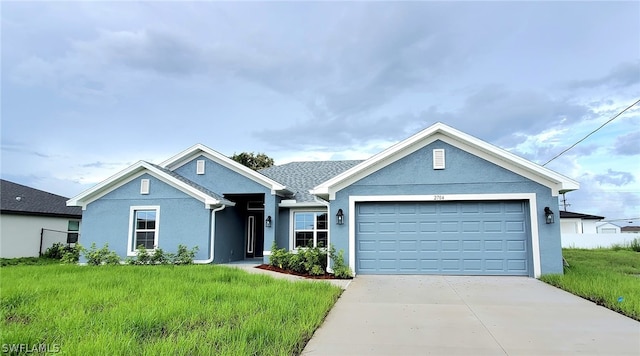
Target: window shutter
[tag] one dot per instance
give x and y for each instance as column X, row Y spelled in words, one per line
column 144, row 186
column 438, row 158
column 200, row 166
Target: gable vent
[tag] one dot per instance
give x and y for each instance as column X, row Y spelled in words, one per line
column 200, row 166
column 144, row 186
column 438, row 158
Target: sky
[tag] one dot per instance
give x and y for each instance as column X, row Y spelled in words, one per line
column 89, row 88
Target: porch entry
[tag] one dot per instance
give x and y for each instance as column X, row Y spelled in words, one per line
column 250, row 208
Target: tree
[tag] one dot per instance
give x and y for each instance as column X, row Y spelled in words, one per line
column 252, row 160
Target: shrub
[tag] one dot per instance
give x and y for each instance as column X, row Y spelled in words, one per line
column 97, row 257
column 55, row 251
column 340, row 269
column 184, row 256
column 311, row 257
column 635, row 244
column 64, row 253
column 279, row 256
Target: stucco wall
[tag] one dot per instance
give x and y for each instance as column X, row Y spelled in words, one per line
column 464, row 174
column 183, row 219
column 20, row 234
column 222, row 180
column 230, row 236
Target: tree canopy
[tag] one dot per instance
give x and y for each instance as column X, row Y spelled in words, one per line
column 253, row 160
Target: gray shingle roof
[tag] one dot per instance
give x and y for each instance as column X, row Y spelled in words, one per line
column 20, row 199
column 193, row 184
column 299, row 177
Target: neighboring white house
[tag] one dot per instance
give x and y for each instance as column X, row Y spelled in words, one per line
column 577, row 223
column 32, row 220
column 607, row 228
column 587, row 231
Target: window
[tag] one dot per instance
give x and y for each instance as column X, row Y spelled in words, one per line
column 143, row 230
column 310, row 229
column 72, row 231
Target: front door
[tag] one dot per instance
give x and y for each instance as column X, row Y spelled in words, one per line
column 255, row 234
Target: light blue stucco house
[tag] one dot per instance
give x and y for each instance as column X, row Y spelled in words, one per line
column 439, row 202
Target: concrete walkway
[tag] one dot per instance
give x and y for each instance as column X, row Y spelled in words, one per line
column 437, row 315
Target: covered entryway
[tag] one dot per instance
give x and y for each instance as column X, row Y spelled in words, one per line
column 250, row 208
column 446, row 237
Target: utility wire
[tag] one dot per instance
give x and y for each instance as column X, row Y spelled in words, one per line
column 592, row 132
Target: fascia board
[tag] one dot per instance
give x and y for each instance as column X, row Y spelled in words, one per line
column 191, row 153
column 555, row 181
column 132, row 173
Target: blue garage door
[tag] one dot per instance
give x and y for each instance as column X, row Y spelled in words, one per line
column 453, row 238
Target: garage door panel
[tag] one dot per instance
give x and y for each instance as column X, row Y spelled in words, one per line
column 442, row 238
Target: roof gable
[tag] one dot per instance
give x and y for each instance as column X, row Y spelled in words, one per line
column 20, row 199
column 439, row 131
column 197, row 150
column 208, row 197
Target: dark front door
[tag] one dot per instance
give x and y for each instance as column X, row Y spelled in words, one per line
column 255, row 234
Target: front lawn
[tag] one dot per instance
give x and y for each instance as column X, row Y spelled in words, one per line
column 607, row 277
column 159, row 310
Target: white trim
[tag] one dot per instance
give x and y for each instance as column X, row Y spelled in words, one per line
column 304, row 204
column 197, row 150
column 266, row 253
column 439, row 131
column 530, row 197
column 251, row 233
column 136, row 170
column 292, row 224
column 132, row 251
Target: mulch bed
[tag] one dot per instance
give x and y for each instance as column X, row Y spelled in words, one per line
column 286, row 271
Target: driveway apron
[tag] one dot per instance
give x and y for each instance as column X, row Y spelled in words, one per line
column 460, row 315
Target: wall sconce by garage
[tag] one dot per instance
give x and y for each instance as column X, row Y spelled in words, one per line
column 548, row 215
column 267, row 222
column 340, row 217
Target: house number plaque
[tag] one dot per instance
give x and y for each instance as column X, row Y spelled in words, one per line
column 438, row 197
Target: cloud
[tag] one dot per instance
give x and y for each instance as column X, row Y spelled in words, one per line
column 627, row 145
column 623, row 75
column 615, row 178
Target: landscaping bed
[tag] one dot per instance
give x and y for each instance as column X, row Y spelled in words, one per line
column 301, row 274
column 608, row 277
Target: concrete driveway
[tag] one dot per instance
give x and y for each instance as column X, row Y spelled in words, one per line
column 438, row 315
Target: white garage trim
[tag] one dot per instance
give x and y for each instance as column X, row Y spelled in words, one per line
column 530, row 197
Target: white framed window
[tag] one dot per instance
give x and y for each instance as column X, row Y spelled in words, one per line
column 200, row 166
column 310, row 229
column 144, row 223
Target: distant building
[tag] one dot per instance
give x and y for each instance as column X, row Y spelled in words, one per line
column 607, row 228
column 578, row 223
column 32, row 220
column 631, row 229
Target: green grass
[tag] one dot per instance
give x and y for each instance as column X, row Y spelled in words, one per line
column 602, row 276
column 159, row 310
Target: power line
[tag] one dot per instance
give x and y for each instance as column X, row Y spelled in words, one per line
column 592, row 132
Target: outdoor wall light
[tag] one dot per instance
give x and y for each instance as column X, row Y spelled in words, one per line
column 340, row 217
column 548, row 215
column 267, row 222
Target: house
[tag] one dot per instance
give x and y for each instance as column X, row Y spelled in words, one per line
column 32, row 220
column 630, row 230
column 438, row 202
column 607, row 228
column 578, row 223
